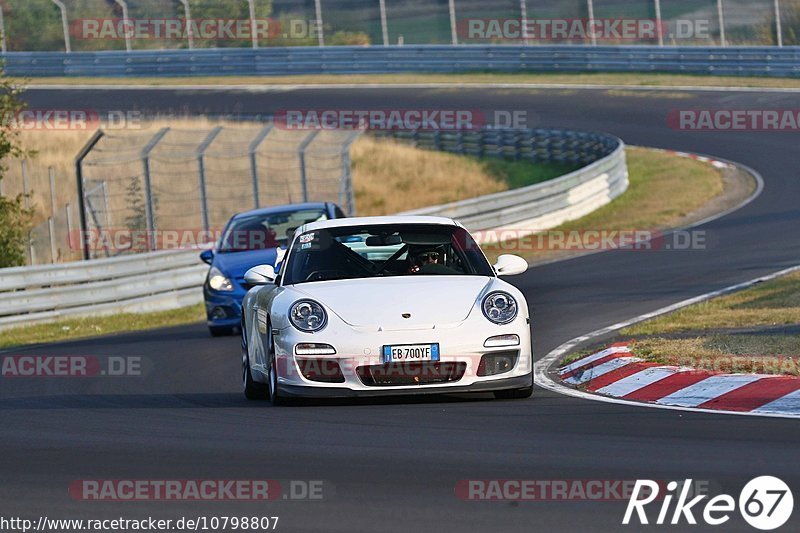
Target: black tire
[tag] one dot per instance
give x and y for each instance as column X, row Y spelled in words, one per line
column 252, row 389
column 514, row 394
column 272, row 388
column 220, row 331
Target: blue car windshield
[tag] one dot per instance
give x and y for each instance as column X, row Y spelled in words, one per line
column 262, row 232
column 384, row 250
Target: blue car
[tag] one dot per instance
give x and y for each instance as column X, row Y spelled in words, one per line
column 257, row 237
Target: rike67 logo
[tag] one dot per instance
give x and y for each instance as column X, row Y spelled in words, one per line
column 765, row 503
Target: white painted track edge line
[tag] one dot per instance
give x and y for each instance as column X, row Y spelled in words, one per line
column 438, row 85
column 544, row 365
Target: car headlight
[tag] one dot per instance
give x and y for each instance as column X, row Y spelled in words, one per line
column 218, row 281
column 308, row 316
column 500, row 307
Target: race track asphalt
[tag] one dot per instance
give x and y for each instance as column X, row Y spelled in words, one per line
column 393, row 465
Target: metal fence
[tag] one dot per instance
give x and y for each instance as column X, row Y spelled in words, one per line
column 31, row 295
column 178, row 188
column 753, row 61
column 88, row 25
column 142, row 283
column 167, row 188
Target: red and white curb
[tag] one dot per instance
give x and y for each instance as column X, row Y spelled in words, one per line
column 716, row 163
column 617, row 372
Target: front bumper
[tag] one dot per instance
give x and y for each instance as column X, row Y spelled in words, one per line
column 357, row 348
column 318, row 391
column 227, row 303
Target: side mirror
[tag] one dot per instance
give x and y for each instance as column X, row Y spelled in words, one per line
column 510, row 265
column 260, row 275
column 207, row 256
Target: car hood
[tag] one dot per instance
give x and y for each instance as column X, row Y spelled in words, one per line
column 235, row 264
column 381, row 302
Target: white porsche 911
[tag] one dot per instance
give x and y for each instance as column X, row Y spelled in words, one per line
column 384, row 306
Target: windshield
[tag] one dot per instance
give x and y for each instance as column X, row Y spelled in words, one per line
column 384, row 250
column 261, row 232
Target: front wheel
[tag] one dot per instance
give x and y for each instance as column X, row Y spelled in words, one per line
column 252, row 389
column 274, row 392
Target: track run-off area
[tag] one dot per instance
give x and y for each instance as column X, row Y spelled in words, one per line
column 395, row 465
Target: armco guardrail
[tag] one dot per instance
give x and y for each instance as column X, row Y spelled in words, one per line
column 732, row 60
column 544, row 205
column 164, row 280
column 135, row 283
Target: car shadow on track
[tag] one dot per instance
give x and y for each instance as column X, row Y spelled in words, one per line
column 213, row 401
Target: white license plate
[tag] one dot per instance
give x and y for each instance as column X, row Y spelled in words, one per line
column 410, row 352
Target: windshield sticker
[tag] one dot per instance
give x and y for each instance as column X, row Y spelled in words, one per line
column 308, row 237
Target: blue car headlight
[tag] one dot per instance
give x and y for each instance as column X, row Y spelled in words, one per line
column 218, row 281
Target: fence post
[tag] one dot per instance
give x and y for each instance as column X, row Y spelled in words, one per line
column 384, row 24
column 148, row 188
column 51, row 221
column 187, row 13
column 259, row 138
column 64, row 24
column 26, row 189
column 301, row 150
column 68, row 212
column 81, row 198
column 721, row 18
column 253, row 36
column 346, row 193
column 3, row 46
column 778, row 30
column 51, row 229
column 52, row 175
column 126, row 23
column 590, row 7
column 659, row 28
column 523, row 14
column 201, row 167
column 453, row 30
column 320, row 31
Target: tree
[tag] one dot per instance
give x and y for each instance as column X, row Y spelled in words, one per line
column 15, row 218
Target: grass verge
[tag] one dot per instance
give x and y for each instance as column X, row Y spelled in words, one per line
column 753, row 331
column 390, row 177
column 664, row 190
column 80, row 328
column 774, row 303
column 643, row 79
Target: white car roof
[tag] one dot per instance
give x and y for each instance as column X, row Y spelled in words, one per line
column 374, row 221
